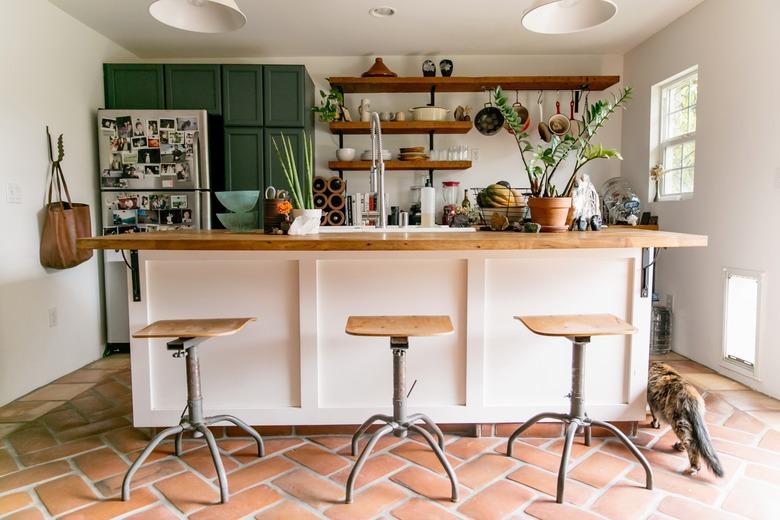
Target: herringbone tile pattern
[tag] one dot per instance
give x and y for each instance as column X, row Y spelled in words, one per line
column 64, row 450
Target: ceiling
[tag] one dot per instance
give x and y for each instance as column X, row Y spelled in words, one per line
column 344, row 28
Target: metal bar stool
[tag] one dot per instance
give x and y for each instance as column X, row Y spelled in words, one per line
column 399, row 329
column 189, row 334
column 578, row 329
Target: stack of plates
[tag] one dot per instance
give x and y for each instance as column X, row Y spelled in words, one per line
column 366, row 155
column 414, row 153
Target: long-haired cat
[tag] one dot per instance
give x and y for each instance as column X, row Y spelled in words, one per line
column 677, row 402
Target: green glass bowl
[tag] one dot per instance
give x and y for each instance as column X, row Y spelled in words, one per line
column 238, row 201
column 245, row 221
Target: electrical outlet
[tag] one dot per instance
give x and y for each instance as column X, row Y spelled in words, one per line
column 474, row 154
column 13, row 193
column 53, row 317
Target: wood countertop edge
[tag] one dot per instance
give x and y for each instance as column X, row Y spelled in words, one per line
column 481, row 241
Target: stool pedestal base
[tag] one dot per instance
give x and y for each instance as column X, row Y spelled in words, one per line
column 193, row 421
column 576, row 419
column 399, row 425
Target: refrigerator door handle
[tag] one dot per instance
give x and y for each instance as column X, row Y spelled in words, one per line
column 205, row 210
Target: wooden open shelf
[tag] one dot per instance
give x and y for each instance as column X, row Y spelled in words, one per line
column 400, row 165
column 403, row 127
column 351, row 85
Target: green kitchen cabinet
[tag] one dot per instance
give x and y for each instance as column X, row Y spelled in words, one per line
column 288, row 96
column 134, row 86
column 242, row 95
column 193, row 87
column 244, row 156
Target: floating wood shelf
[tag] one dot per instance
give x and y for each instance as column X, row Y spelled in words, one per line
column 404, row 127
column 401, row 165
column 351, row 85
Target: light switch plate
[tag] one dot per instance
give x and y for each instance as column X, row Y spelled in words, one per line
column 13, row 193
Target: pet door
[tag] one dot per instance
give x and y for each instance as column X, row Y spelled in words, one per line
column 741, row 310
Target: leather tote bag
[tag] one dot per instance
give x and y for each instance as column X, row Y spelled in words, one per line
column 64, row 222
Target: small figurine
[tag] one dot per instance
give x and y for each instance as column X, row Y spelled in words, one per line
column 595, row 223
column 429, row 69
column 446, row 68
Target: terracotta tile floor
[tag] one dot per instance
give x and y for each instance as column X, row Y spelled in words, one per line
column 64, row 449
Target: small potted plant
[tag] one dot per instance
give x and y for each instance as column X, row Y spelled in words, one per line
column 550, row 205
column 330, row 105
column 306, row 219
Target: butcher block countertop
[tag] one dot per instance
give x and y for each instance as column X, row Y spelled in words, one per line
column 219, row 240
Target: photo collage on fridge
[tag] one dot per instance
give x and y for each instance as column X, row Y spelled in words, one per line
column 158, row 148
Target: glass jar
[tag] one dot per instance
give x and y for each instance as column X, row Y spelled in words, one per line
column 450, row 192
column 660, row 330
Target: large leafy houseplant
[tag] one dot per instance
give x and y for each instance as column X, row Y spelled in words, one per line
column 541, row 163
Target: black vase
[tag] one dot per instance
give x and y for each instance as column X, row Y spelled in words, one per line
column 428, row 69
column 446, row 66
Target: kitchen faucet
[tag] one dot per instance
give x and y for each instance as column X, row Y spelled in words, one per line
column 377, row 172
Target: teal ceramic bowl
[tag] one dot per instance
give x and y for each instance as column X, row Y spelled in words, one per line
column 245, row 221
column 238, row 201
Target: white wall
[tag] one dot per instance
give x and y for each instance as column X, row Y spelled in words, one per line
column 737, row 181
column 499, row 157
column 53, row 76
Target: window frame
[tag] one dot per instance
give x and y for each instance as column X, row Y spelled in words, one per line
column 660, row 121
column 727, row 362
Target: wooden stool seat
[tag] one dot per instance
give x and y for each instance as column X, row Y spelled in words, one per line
column 577, row 325
column 399, row 326
column 205, row 328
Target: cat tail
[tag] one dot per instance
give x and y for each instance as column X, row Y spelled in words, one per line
column 703, row 444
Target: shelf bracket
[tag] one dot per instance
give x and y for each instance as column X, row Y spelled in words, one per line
column 647, row 264
column 135, row 275
column 433, row 95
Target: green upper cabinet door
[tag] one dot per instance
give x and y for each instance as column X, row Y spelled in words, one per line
column 242, row 95
column 289, row 94
column 274, row 174
column 134, row 86
column 193, row 86
column 243, row 158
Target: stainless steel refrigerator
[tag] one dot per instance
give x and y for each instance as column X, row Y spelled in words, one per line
column 154, row 176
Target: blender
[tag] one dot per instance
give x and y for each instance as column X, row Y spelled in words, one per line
column 450, row 192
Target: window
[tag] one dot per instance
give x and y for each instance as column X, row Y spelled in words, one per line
column 677, row 99
column 741, row 312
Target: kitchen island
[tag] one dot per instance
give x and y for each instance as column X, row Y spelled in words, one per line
column 295, row 364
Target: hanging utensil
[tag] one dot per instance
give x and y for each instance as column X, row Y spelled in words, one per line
column 489, row 119
column 574, row 125
column 558, row 123
column 544, row 130
column 522, row 114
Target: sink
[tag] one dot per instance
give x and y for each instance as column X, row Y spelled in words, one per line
column 394, row 229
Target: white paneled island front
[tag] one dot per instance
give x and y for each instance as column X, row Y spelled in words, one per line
column 295, row 365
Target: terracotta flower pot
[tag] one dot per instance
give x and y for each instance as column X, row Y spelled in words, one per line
column 550, row 213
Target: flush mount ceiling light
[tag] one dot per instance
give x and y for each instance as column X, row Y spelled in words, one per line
column 382, row 12
column 204, row 16
column 567, row 16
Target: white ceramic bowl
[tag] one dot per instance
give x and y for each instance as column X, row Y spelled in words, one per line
column 429, row 113
column 345, row 154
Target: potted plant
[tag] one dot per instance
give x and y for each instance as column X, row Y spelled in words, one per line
column 330, row 105
column 550, row 206
column 306, row 217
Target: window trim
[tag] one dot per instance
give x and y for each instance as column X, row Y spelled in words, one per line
column 725, row 361
column 658, row 121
